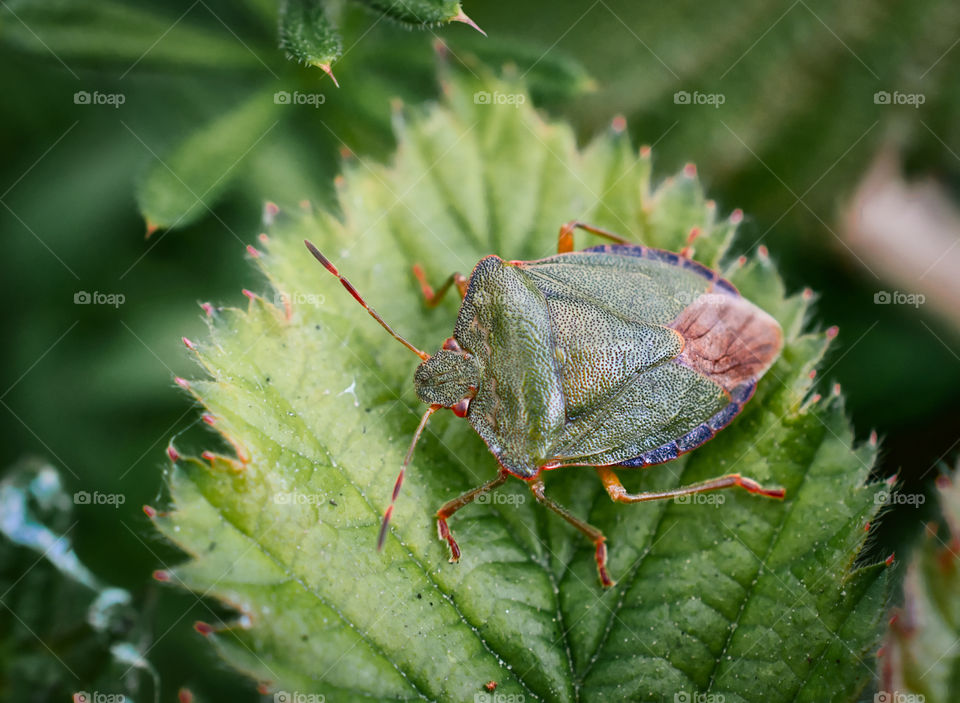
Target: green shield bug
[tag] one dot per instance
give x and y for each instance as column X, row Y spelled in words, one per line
column 617, row 356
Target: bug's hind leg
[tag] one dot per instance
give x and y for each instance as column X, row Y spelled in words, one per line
column 618, row 493
column 592, row 533
column 433, row 298
column 565, row 238
column 452, row 506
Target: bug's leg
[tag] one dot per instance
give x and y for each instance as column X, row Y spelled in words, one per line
column 433, row 298
column 618, row 493
column 452, row 506
column 592, row 533
column 565, row 238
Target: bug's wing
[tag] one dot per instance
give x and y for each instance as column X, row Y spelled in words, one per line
column 504, row 322
column 657, row 408
column 635, row 283
column 665, row 397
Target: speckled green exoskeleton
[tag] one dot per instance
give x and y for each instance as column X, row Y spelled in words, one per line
column 617, row 356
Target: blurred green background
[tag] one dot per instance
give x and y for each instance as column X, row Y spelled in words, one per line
column 89, row 388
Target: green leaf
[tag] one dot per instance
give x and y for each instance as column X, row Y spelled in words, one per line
column 107, row 31
column 419, row 13
column 179, row 186
column 307, row 35
column 920, row 659
column 757, row 599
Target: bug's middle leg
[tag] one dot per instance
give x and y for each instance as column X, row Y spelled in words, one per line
column 433, row 298
column 565, row 238
column 592, row 533
column 452, row 506
column 618, row 493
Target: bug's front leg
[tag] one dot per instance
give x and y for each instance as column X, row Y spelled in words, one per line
column 433, row 298
column 592, row 533
column 452, row 506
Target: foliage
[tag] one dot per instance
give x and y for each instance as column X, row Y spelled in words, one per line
column 757, row 599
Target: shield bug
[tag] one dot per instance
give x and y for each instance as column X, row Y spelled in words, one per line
column 618, row 356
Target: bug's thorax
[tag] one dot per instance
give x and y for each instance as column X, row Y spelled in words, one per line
column 450, row 378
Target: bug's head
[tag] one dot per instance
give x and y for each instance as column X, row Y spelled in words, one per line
column 449, row 378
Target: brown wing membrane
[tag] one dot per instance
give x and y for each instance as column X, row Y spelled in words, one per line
column 728, row 339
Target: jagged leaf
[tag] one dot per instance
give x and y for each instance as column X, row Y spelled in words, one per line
column 920, row 659
column 180, row 186
column 755, row 599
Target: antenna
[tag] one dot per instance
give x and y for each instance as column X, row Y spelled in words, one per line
column 356, row 296
column 385, row 525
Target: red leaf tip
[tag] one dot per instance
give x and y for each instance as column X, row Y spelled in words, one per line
column 325, row 67
column 462, row 17
column 203, row 628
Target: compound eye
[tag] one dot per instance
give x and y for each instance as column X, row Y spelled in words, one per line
column 451, row 345
column 461, row 407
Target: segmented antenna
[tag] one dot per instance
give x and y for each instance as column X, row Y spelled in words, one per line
column 385, row 525
column 356, row 296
